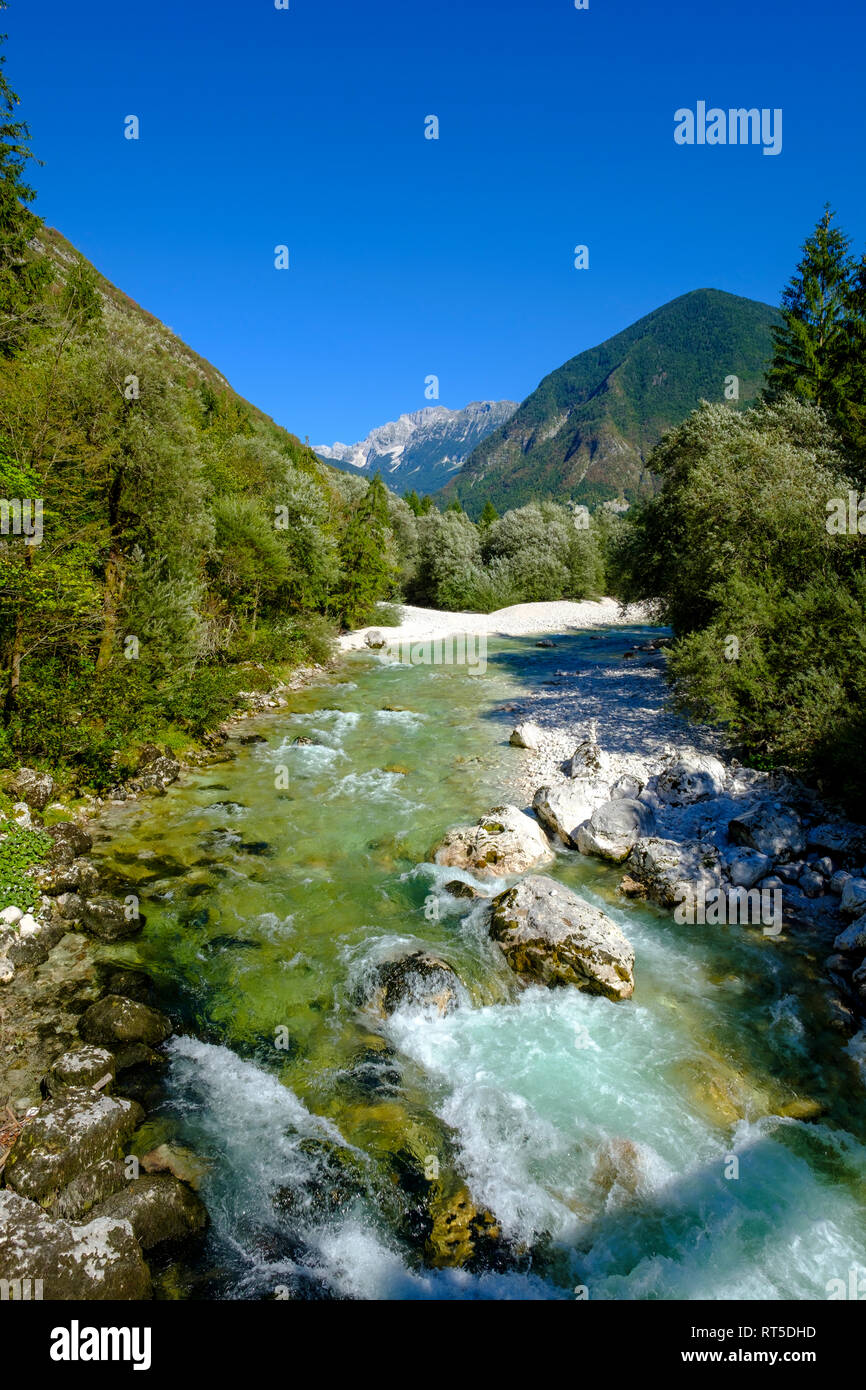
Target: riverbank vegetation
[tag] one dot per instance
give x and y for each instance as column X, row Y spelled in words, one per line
column 743, row 551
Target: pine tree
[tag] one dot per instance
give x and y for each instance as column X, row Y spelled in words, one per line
column 489, row 515
column 811, row 346
column 23, row 275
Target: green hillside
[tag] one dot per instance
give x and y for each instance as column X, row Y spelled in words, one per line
column 586, row 432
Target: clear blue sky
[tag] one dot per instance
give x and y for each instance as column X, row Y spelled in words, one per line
column 411, row 257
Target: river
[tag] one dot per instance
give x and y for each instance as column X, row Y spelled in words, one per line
column 702, row 1140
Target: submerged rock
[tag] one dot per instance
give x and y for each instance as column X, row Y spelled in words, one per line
column 551, row 936
column 419, row 978
column 181, row 1162
column 100, row 1260
column 507, row 841
column 69, row 1134
column 115, row 1020
column 462, row 1234
column 614, row 829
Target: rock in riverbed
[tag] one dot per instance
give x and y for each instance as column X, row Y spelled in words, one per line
column 100, row 1261
column 158, row 1209
column 68, row 1135
column 551, row 936
column 419, row 978
column 115, row 1020
column 614, row 829
column 506, row 841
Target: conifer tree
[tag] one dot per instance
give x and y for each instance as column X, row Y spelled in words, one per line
column 23, row 274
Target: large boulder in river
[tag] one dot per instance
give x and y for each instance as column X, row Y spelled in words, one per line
column 68, row 1135
column 690, row 777
column 100, row 1261
column 770, row 828
column 506, row 841
column 551, row 936
column 671, row 872
column 115, row 1021
column 562, row 809
column 34, row 788
column 420, row 978
column 158, row 1208
column 614, row 828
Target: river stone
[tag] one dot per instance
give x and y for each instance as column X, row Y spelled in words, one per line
column 853, row 938
column 837, row 837
column 34, row 788
column 115, row 1020
column 746, row 866
column 70, row 841
column 588, row 758
column 670, row 870
column 158, row 1209
column 551, row 936
column 853, row 899
column 99, row 1261
column 69, row 1134
column 107, row 919
column 89, row 1188
column 506, row 841
column 770, row 828
column 691, row 777
column 614, row 828
column 526, row 735
column 83, row 1067
column 564, row 808
column 79, row 877
column 181, row 1162
column 419, row 978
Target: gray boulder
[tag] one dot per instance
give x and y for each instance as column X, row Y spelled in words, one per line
column 100, row 1261
column 107, row 919
column 70, row 841
column 614, row 828
column 853, row 899
column 526, row 735
column 34, row 788
column 564, row 808
column 506, row 841
column 746, row 866
column 853, row 938
column 770, row 828
column 691, row 777
column 69, row 1134
column 551, row 936
column 671, row 871
column 158, row 1208
column 86, row 1066
column 115, row 1020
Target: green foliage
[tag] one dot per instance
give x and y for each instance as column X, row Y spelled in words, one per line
column 20, row 850
column 769, row 609
column 24, row 275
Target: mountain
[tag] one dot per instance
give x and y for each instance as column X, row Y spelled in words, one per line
column 421, row 450
column 587, row 430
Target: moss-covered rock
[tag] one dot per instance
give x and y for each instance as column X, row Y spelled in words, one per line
column 100, row 1260
column 68, row 1135
column 116, row 1021
column 158, row 1208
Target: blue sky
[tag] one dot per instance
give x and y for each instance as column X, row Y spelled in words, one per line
column 411, row 257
